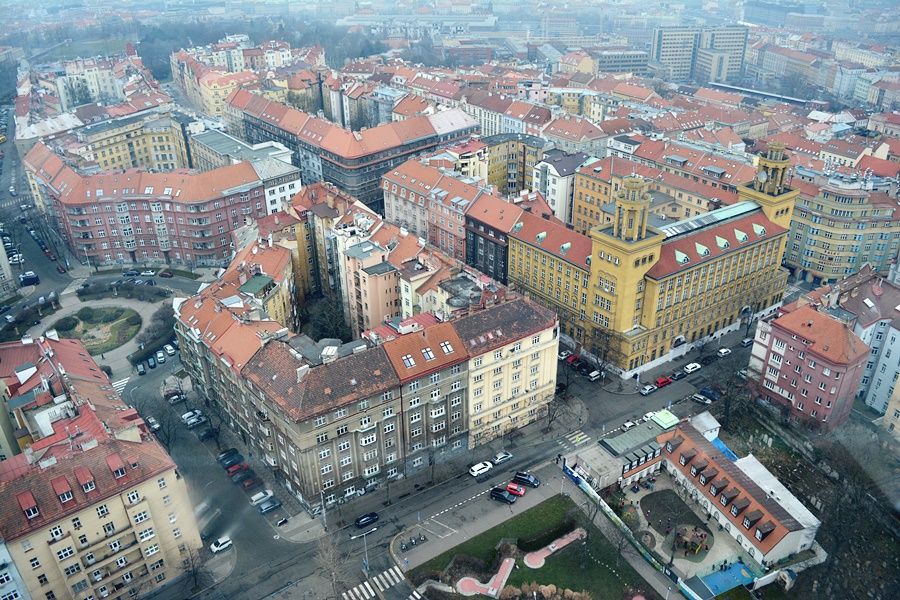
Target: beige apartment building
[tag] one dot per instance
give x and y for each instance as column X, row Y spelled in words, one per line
column 512, row 370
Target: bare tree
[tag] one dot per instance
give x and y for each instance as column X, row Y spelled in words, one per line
column 334, row 564
column 622, row 542
column 557, row 407
column 195, row 569
column 606, row 347
column 734, row 390
column 169, row 429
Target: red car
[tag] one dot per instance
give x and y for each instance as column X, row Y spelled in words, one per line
column 662, row 382
column 164, row 274
column 234, row 469
column 515, row 489
column 60, row 268
column 572, row 359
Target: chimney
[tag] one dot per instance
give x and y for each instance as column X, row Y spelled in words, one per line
column 29, row 455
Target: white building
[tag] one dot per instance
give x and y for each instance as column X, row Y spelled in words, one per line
column 554, row 177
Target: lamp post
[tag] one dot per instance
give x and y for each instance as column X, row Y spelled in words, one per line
column 365, row 547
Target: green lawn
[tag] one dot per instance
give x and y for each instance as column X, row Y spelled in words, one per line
column 579, row 568
column 101, row 329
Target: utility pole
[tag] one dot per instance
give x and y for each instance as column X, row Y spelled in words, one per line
column 324, row 515
column 365, row 548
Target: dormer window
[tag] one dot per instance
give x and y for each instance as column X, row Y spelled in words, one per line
column 28, row 505
column 32, row 512
column 65, row 497
column 446, row 347
column 428, row 354
column 89, row 486
column 119, row 473
column 408, row 361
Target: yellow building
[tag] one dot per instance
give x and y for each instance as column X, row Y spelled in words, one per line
column 652, row 291
column 891, row 420
column 151, row 141
column 215, row 86
column 511, row 158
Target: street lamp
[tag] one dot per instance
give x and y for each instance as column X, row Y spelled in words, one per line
column 365, row 547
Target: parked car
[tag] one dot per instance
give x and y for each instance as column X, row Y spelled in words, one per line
column 515, row 489
column 662, row 382
column 691, row 368
column 176, row 398
column 746, row 342
column 501, row 457
column 206, row 434
column 572, row 358
column 708, row 359
column 60, row 269
column 564, row 354
column 251, row 483
column 260, row 497
column 165, row 274
column 366, row 520
column 680, row 374
column 701, row 399
column 231, row 459
column 526, row 478
column 502, row 495
column 234, row 469
column 227, row 453
column 711, row 393
column 151, row 362
column 141, row 370
column 723, row 352
column 595, row 375
column 627, row 425
column 242, row 475
column 160, row 356
column 196, row 422
column 191, row 414
column 221, row 544
column 148, row 273
column 169, row 350
column 743, row 374
column 152, row 423
column 648, row 389
column 577, row 364
column 647, row 416
column 480, row 469
column 269, row 505
column 130, row 273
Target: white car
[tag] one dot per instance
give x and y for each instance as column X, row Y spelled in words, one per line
column 259, row 498
column 152, row 423
column 480, row 469
column 191, row 414
column 169, row 350
column 627, row 425
column 647, row 417
column 564, row 355
column 722, row 352
column 501, row 457
column 160, row 356
column 148, row 273
column 223, row 543
column 648, row 389
column 692, row 368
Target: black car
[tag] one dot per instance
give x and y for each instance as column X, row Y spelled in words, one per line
column 242, row 475
column 151, row 362
column 585, row 369
column 131, row 273
column 502, row 495
column 678, row 375
column 231, row 460
column 577, row 364
column 366, row 520
column 227, row 454
column 708, row 360
column 525, row 478
column 206, row 434
column 4, row 309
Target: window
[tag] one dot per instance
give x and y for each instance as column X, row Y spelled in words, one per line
column 66, row 496
column 344, row 446
column 326, row 469
column 322, row 438
column 151, row 550
column 72, row 569
column 161, row 482
column 80, row 586
column 102, row 510
column 146, row 534
column 121, row 561
column 340, row 413
column 388, row 412
column 324, row 453
column 109, row 528
column 56, row 532
column 119, row 473
column 408, row 360
column 76, row 523
column 13, row 595
column 42, row 579
column 133, row 496
column 428, row 354
column 65, row 553
column 35, row 563
column 32, row 512
column 4, row 577
column 446, row 347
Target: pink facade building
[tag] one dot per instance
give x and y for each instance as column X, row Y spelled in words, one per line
column 810, row 363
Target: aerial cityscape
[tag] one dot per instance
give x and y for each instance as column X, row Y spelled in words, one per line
column 436, row 299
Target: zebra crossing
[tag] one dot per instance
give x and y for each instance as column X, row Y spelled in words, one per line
column 119, row 385
column 415, row 596
column 573, row 440
column 382, row 581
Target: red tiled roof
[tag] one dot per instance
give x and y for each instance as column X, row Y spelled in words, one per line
column 829, row 338
column 432, row 349
column 554, row 238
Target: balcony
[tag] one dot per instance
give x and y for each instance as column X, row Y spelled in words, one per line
column 262, row 416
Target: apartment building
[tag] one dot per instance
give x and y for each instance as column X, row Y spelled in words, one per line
column 576, row 134
column 677, row 48
column 511, row 158
column 9, row 285
column 840, row 224
column 622, row 61
column 212, row 148
column 354, row 161
column 181, row 217
column 743, row 497
column 512, row 367
column 674, row 197
column 891, row 420
column 152, row 140
column 639, row 295
column 554, row 177
column 93, row 505
column 809, row 363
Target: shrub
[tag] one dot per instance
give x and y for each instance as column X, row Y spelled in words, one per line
column 539, row 540
column 106, row 369
column 66, row 324
column 86, row 314
column 134, row 319
column 111, row 315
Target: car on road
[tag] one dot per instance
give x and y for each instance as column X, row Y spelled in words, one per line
column 502, row 495
column 691, row 368
column 206, row 434
column 221, row 544
column 563, row 355
column 701, row 399
column 501, row 457
column 515, row 489
column 628, row 425
column 227, row 453
column 708, row 360
column 680, row 374
column 176, row 398
column 526, row 478
column 152, row 423
column 662, row 382
column 237, row 468
column 480, row 469
column 148, row 273
column 647, row 416
column 130, row 273
column 595, row 375
column 366, row 520
column 191, row 414
column 648, row 389
column 165, row 274
column 723, row 352
column 269, row 505
column 242, row 475
column 260, row 497
column 169, row 350
column 160, row 356
column 141, row 370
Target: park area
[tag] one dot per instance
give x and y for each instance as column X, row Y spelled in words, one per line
column 100, row 329
column 591, row 567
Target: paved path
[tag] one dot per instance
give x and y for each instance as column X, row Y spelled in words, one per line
column 469, row 586
column 536, row 559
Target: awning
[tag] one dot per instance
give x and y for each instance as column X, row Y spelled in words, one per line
column 83, row 476
column 60, row 485
column 115, row 462
column 26, row 500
